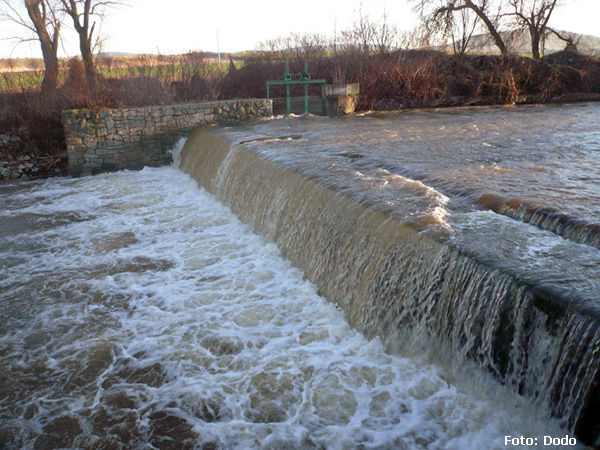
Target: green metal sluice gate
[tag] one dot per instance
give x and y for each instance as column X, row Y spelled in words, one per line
column 290, row 79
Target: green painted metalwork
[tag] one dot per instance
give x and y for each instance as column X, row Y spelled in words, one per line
column 295, row 78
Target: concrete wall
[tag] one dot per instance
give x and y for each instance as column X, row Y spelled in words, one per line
column 131, row 138
column 341, row 98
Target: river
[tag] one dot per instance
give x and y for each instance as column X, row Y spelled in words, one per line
column 137, row 311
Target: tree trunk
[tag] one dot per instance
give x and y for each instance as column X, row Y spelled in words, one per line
column 490, row 26
column 536, row 39
column 81, row 23
column 50, row 81
column 88, row 58
column 49, row 46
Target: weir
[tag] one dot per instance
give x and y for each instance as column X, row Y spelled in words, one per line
column 405, row 285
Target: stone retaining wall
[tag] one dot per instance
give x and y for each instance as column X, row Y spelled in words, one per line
column 131, row 138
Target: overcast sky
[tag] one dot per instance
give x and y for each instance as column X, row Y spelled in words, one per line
column 177, row 26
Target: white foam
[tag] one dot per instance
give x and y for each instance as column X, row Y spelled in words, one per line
column 176, row 151
column 146, row 270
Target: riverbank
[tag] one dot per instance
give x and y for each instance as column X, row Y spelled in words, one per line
column 33, row 143
column 426, row 79
column 32, row 166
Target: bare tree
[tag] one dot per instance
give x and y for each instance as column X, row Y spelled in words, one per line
column 361, row 35
column 437, row 9
column 85, row 15
column 45, row 25
column 311, row 46
column 461, row 30
column 457, row 27
column 368, row 35
column 385, row 35
column 44, row 18
column 533, row 15
column 277, row 48
column 571, row 40
column 418, row 37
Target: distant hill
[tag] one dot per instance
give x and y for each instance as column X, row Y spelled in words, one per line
column 520, row 42
column 116, row 54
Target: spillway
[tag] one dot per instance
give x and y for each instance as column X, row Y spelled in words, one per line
column 328, row 286
column 415, row 252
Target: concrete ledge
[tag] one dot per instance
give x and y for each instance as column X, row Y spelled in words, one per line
column 340, row 98
column 341, row 89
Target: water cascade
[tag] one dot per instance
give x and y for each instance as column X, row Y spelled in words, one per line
column 136, row 310
column 411, row 274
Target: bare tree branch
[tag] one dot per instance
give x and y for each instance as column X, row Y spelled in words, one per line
column 441, row 10
column 44, row 23
column 85, row 14
column 533, row 15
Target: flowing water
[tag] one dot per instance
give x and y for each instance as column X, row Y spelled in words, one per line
column 477, row 228
column 537, row 163
column 137, row 311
